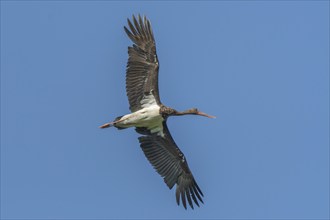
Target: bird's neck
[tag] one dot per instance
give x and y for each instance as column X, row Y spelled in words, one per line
column 186, row 112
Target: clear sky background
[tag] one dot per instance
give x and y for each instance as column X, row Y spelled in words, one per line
column 262, row 67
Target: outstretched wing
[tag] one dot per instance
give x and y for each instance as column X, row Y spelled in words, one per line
column 142, row 66
column 170, row 163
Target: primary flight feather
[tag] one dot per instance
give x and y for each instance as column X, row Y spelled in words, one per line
column 149, row 115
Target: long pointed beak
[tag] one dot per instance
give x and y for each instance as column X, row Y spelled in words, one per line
column 204, row 114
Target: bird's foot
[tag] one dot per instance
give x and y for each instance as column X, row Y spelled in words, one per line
column 107, row 125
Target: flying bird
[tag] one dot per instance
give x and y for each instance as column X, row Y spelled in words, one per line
column 148, row 115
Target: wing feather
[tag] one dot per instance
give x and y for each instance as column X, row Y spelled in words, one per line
column 142, row 66
column 168, row 160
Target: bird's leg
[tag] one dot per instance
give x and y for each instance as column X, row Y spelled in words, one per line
column 109, row 124
column 106, row 125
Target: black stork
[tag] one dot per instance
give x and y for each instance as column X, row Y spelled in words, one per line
column 149, row 115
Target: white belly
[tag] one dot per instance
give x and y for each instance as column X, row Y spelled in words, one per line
column 148, row 117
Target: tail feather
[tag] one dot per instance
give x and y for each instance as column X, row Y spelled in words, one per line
column 117, row 119
column 113, row 124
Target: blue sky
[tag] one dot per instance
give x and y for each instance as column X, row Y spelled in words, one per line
column 262, row 67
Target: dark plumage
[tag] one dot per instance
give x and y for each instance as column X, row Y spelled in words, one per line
column 142, row 66
column 149, row 115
